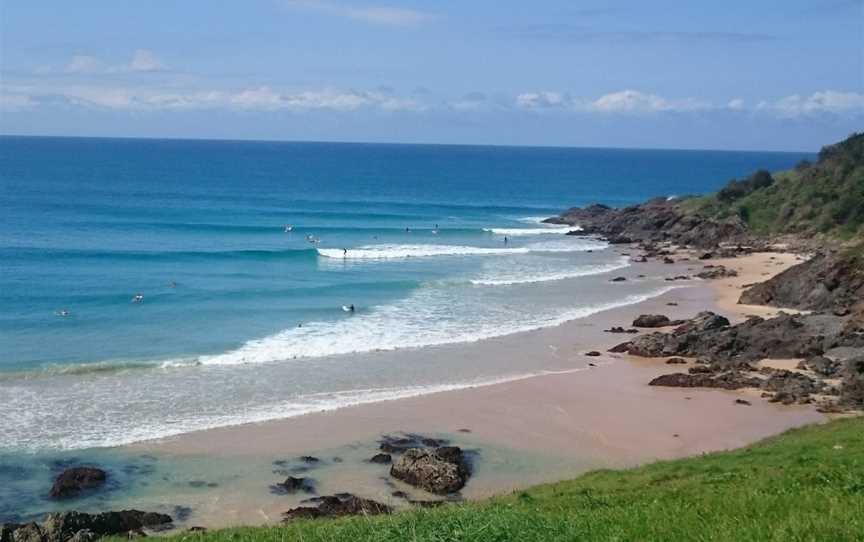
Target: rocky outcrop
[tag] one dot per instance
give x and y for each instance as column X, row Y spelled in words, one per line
column 659, row 219
column 731, row 380
column 71, row 482
column 710, row 272
column 334, row 506
column 381, row 459
column 710, row 336
column 440, row 470
column 827, row 282
column 83, row 527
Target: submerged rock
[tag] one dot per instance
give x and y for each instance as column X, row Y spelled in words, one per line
column 440, row 471
column 293, row 485
column 397, row 445
column 727, row 381
column 71, row 482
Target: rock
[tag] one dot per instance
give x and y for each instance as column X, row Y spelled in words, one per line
column 852, row 388
column 829, row 281
column 593, row 353
column 821, row 365
column 709, row 336
column 440, row 471
column 652, row 320
column 332, row 506
column 83, row 527
column 726, row 381
column 383, row 459
column 293, row 485
column 659, row 219
column 668, row 260
column 790, row 387
column 742, row 402
column 84, row 535
column 621, row 348
column 716, row 272
column 71, row 482
column 706, row 255
column 29, row 532
column 618, row 329
column 309, row 459
column 618, row 279
column 397, row 445
column 676, row 361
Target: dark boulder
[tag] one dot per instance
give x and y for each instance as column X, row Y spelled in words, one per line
column 71, row 482
column 652, row 320
column 593, row 354
column 676, row 361
column 382, row 459
column 333, row 506
column 440, row 471
column 716, row 272
column 399, row 444
column 618, row 279
column 293, row 485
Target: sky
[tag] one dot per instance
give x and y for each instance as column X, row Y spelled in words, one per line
column 738, row 74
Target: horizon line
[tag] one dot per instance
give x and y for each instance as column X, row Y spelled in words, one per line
column 398, row 143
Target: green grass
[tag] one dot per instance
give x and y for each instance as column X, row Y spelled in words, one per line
column 807, row 484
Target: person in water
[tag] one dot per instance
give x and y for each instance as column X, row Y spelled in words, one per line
column 351, row 307
column 138, row 298
column 344, row 252
column 62, row 312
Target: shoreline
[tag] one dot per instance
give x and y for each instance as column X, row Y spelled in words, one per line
column 583, row 418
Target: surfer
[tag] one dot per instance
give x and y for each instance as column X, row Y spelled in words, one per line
column 62, row 312
column 506, row 240
column 344, row 252
column 138, row 298
column 348, row 308
column 289, row 228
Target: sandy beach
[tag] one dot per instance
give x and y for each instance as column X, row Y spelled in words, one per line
column 585, row 413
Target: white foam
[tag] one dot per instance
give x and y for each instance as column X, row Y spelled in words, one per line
column 405, row 324
column 519, row 232
column 100, row 435
column 388, row 252
column 513, row 278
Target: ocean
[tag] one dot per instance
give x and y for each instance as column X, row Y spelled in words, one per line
column 249, row 256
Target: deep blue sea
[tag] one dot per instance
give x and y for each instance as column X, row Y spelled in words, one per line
column 245, row 256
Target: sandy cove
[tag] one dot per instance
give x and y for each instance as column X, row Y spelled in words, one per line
column 580, row 418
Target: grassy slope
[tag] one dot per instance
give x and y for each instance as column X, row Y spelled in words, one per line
column 825, row 198
column 807, row 484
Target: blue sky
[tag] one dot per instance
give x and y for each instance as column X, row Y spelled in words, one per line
column 785, row 75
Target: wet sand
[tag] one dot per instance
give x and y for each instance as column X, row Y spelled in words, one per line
column 531, row 430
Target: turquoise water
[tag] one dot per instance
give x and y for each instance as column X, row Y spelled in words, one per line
column 241, row 320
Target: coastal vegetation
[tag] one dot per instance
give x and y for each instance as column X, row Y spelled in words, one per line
column 822, row 198
column 806, row 484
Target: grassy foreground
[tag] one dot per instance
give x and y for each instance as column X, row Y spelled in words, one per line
column 807, row 484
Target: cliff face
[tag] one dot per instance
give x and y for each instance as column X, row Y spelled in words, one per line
column 827, row 282
column 656, row 220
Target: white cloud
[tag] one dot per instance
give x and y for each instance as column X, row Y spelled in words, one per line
column 383, row 15
column 634, row 101
column 145, row 61
column 736, row 104
column 542, row 99
column 624, row 101
column 250, row 99
column 84, row 64
column 823, row 102
column 15, row 102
